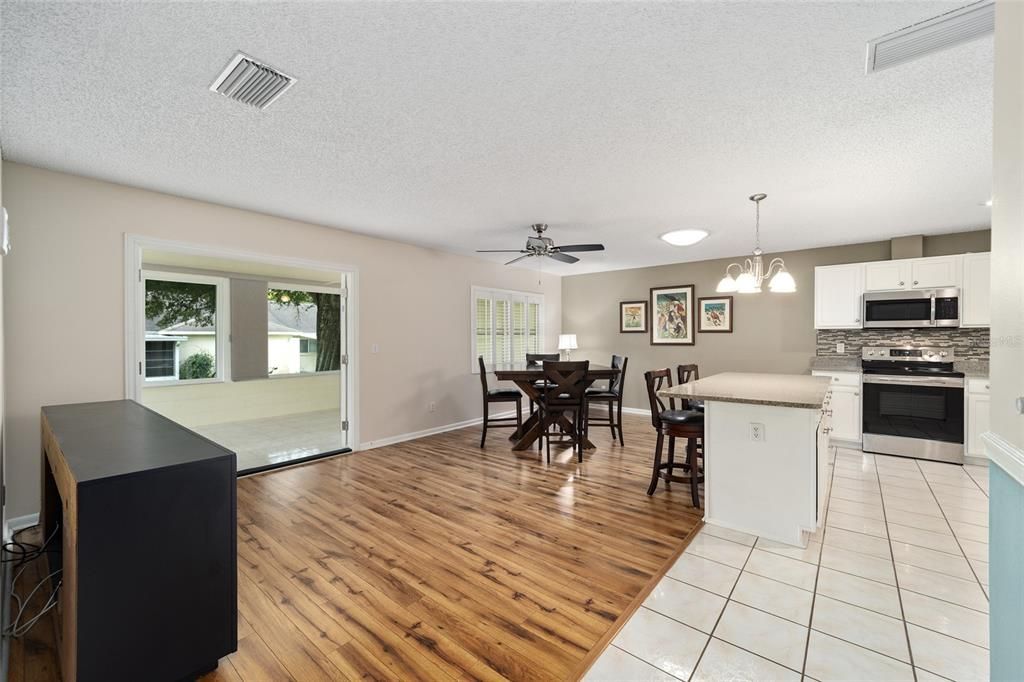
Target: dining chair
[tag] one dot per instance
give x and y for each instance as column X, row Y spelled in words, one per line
column 498, row 395
column 686, row 374
column 535, row 360
column 612, row 395
column 672, row 423
column 565, row 391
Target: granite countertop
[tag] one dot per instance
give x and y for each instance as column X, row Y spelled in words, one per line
column 782, row 390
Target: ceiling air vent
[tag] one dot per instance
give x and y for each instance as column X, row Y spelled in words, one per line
column 251, row 82
column 932, row 35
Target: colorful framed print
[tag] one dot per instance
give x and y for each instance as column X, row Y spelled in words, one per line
column 672, row 316
column 633, row 317
column 714, row 314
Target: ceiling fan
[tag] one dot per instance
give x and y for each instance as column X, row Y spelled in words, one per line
column 545, row 246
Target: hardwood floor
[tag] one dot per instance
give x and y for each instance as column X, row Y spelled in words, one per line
column 435, row 559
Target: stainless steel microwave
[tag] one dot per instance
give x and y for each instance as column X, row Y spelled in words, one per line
column 920, row 308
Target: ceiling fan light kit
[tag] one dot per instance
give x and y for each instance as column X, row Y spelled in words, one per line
column 753, row 272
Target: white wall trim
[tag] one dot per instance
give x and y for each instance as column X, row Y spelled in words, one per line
column 18, row 523
column 1005, row 455
column 636, row 410
column 403, row 437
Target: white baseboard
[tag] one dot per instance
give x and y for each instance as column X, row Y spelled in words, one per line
column 1005, row 455
column 17, row 523
column 403, row 437
column 636, row 410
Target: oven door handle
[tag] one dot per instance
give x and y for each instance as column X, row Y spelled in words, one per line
column 941, row 382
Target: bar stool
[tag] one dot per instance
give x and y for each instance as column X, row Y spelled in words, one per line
column 673, row 423
column 613, row 396
column 498, row 395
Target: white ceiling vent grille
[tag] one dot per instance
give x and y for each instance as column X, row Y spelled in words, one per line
column 938, row 33
column 251, row 82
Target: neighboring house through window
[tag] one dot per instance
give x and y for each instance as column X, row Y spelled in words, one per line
column 185, row 318
column 506, row 325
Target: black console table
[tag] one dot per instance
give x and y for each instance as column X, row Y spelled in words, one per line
column 143, row 516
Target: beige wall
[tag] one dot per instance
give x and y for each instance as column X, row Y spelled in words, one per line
column 64, row 292
column 1008, row 224
column 772, row 332
column 203, row 404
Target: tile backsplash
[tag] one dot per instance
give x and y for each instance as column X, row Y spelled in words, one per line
column 968, row 344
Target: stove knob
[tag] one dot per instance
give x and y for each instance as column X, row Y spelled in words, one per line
column 943, row 353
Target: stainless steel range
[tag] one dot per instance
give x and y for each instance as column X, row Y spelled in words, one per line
column 913, row 403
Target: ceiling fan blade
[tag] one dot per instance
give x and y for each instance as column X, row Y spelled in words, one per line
column 500, row 251
column 581, row 247
column 564, row 257
column 516, row 260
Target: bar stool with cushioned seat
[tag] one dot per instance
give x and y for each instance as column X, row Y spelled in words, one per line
column 613, row 396
column 498, row 395
column 688, row 424
column 686, row 374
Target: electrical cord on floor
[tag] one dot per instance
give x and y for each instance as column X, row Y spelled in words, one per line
column 17, row 628
column 23, row 555
column 24, row 551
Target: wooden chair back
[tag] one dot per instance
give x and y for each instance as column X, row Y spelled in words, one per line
column 483, row 375
column 566, row 382
column 686, row 374
column 538, row 358
column 615, row 385
column 657, row 380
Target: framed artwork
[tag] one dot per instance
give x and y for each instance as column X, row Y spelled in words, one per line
column 714, row 314
column 672, row 316
column 633, row 317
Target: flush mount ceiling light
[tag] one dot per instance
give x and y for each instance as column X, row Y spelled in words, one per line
column 251, row 82
column 752, row 273
column 988, row 203
column 932, row 35
column 684, row 237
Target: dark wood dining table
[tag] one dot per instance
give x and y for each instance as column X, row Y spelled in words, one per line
column 524, row 376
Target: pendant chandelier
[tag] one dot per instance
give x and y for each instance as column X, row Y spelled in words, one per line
column 753, row 272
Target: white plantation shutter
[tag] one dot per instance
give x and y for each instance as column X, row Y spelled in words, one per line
column 534, row 328
column 506, row 325
column 519, row 342
column 502, row 331
column 483, row 329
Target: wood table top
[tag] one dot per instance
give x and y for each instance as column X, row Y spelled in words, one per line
column 510, row 370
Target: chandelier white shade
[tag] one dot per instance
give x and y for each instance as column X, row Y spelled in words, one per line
column 752, row 273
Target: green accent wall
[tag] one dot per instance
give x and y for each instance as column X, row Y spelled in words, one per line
column 1006, row 575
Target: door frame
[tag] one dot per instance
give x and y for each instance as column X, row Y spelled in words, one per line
column 134, row 296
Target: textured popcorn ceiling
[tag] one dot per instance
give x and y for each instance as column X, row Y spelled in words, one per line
column 457, row 125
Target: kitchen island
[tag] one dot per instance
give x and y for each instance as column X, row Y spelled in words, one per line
column 766, row 452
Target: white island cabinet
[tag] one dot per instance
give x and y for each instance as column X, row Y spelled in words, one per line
column 767, row 457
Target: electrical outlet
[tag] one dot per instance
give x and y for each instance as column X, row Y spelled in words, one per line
column 432, row 406
column 841, row 348
column 756, row 432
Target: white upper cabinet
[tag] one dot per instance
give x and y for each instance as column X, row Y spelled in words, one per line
column 837, row 296
column 912, row 273
column 838, row 289
column 974, row 294
column 934, row 273
column 886, row 275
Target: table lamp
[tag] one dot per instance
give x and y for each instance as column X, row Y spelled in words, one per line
column 567, row 342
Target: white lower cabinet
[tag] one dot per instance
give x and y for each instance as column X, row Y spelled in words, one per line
column 845, row 404
column 977, row 416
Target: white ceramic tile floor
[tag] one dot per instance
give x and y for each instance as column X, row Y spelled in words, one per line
column 891, row 587
column 278, row 440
